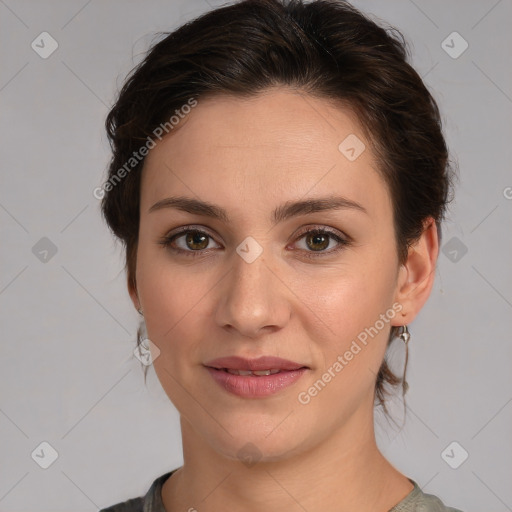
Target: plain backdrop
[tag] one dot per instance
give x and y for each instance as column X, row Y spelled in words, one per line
column 68, row 376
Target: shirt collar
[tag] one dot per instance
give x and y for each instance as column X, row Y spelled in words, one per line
column 153, row 498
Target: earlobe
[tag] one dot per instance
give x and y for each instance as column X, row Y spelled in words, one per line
column 417, row 274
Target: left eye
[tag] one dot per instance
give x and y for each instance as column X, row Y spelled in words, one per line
column 318, row 240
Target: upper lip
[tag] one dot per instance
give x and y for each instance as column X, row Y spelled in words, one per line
column 260, row 363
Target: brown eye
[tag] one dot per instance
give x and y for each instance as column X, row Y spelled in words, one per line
column 189, row 242
column 317, row 241
column 196, row 240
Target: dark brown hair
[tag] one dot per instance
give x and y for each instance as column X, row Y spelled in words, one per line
column 324, row 48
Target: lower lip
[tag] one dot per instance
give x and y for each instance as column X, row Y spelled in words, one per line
column 248, row 386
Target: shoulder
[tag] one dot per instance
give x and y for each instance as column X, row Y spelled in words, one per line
column 151, row 502
column 418, row 501
column 431, row 503
column 133, row 505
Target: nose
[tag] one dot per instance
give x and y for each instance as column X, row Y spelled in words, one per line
column 253, row 300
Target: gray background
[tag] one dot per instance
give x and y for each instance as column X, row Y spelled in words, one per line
column 68, row 376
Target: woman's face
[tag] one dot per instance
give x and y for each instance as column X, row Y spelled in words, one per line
column 258, row 280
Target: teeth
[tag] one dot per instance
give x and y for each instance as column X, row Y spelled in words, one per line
column 249, row 372
column 239, row 372
column 265, row 372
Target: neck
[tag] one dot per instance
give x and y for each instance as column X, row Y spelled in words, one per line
column 344, row 472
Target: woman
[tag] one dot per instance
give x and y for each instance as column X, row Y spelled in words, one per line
column 279, row 177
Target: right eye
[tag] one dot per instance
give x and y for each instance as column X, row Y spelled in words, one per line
column 189, row 242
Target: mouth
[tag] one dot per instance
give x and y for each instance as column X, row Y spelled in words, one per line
column 261, row 366
column 255, row 378
column 254, row 386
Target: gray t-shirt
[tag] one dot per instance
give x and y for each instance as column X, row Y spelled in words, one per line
column 415, row 501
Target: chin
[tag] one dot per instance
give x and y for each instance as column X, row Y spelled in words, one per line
column 253, row 445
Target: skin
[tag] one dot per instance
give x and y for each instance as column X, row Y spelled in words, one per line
column 249, row 156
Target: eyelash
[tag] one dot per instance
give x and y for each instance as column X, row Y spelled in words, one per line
column 343, row 242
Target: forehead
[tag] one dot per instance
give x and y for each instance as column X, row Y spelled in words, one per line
column 281, row 144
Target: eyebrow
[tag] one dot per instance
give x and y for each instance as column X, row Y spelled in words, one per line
column 281, row 213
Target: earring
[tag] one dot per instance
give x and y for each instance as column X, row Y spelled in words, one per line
column 405, row 337
column 140, row 311
column 404, row 334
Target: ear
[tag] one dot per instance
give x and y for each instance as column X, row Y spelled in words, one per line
column 416, row 275
column 132, row 290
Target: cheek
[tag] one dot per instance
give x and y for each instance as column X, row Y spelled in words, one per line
column 355, row 308
column 175, row 298
column 351, row 296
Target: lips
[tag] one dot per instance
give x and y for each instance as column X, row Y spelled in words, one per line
column 264, row 365
column 251, row 386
